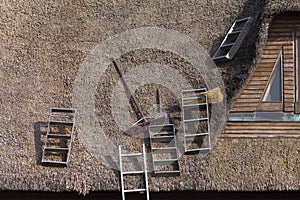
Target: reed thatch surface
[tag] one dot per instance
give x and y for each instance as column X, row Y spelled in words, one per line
column 42, row 46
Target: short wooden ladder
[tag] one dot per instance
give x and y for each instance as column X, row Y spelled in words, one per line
column 233, row 39
column 140, row 169
column 60, row 131
column 195, row 117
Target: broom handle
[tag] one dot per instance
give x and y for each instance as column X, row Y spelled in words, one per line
column 159, row 101
column 128, row 89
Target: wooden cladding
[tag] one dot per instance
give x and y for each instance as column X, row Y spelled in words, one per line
column 297, row 63
column 282, row 34
column 262, row 129
column 267, row 106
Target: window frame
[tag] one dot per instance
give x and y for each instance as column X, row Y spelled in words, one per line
column 296, row 51
column 273, row 105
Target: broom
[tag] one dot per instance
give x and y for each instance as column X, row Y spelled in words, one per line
column 213, row 96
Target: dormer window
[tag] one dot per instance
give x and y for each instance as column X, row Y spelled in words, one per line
column 296, row 37
column 273, row 91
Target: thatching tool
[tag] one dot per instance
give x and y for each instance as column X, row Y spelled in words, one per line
column 143, row 122
column 214, row 96
column 142, row 117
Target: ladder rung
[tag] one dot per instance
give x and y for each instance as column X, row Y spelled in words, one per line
column 234, row 32
column 62, row 116
column 163, row 138
column 55, row 149
column 227, row 45
column 167, row 172
column 68, row 110
column 133, row 172
column 244, row 19
column 61, row 122
column 132, row 154
column 195, row 134
column 220, row 57
column 162, row 134
column 198, row 149
column 194, row 90
column 163, row 149
column 54, row 162
column 162, row 126
column 164, row 162
column 197, row 119
column 135, row 190
column 204, row 149
column 58, row 136
column 194, row 105
column 195, row 97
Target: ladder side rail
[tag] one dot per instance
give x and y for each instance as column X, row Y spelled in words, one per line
column 175, row 142
column 146, row 175
column 237, row 43
column 48, row 128
column 227, row 34
column 121, row 172
column 223, row 42
column 151, row 145
column 48, row 131
column 208, row 124
column 176, row 148
column 241, row 37
column 71, row 139
column 182, row 116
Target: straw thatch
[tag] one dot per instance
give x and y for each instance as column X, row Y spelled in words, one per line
column 44, row 42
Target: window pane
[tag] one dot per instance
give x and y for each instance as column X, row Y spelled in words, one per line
column 274, row 90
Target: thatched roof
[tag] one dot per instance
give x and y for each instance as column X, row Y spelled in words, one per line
column 42, row 47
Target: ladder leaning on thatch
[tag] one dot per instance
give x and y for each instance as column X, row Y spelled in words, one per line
column 195, row 117
column 60, row 131
column 164, row 149
column 233, row 39
column 133, row 164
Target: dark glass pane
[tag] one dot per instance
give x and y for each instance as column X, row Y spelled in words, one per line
column 274, row 90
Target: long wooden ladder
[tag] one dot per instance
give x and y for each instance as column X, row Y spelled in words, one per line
column 164, row 149
column 127, row 171
column 233, row 39
column 195, row 117
column 59, row 136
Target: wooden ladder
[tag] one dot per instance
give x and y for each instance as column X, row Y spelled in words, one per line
column 195, row 117
column 233, row 39
column 60, row 131
column 164, row 149
column 142, row 171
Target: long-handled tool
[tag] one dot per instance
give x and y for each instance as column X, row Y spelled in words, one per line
column 142, row 117
column 213, row 96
